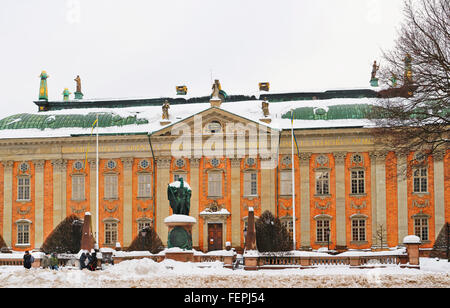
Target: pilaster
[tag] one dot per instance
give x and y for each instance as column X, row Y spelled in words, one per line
column 59, row 190
column 162, row 204
column 7, row 202
column 439, row 191
column 235, row 202
column 402, row 198
column 127, row 163
column 93, row 193
column 39, row 203
column 339, row 159
column 305, row 213
column 195, row 197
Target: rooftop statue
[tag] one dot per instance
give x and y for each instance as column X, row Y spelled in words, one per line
column 43, row 90
column 165, row 110
column 179, row 197
column 375, row 68
column 78, row 81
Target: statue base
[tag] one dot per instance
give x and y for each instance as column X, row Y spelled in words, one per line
column 266, row 120
column 215, row 102
column 180, row 231
column 374, row 82
column 164, row 122
column 78, row 95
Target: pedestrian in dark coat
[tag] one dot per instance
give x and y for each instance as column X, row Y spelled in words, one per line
column 27, row 260
column 83, row 258
column 93, row 262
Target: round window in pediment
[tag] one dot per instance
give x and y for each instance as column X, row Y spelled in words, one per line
column 213, row 127
column 111, row 164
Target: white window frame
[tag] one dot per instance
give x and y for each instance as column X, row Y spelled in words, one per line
column 357, row 183
column 422, row 227
column 78, row 187
column 359, row 229
column 24, row 189
column 23, row 232
column 322, row 224
column 111, row 232
column 250, row 183
column 111, row 186
column 144, row 185
column 420, row 179
column 215, row 185
column 286, row 183
column 322, row 182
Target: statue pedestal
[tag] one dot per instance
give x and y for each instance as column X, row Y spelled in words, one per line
column 164, row 122
column 266, row 120
column 374, row 82
column 78, row 95
column 180, row 231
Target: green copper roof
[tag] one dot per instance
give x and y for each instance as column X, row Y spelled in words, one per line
column 337, row 112
column 42, row 121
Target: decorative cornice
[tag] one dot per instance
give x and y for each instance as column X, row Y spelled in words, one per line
column 235, row 162
column 305, row 157
column 127, row 162
column 163, row 162
column 8, row 164
column 339, row 157
column 39, row 164
column 59, row 164
column 438, row 155
column 92, row 163
column 195, row 162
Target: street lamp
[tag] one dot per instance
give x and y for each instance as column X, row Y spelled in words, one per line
column 328, row 237
column 143, row 234
column 245, row 236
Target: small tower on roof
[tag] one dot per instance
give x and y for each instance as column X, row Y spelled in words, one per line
column 43, row 90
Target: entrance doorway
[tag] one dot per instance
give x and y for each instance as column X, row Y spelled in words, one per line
column 214, row 236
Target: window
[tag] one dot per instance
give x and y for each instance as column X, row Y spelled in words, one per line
column 286, row 183
column 250, row 183
column 144, row 164
column 420, row 180
column 358, row 230
column 214, row 184
column 23, row 188
column 144, row 185
column 111, row 164
column 178, row 176
column 322, row 183
column 323, row 230
column 110, row 233
column 421, row 228
column 288, row 224
column 142, row 224
column 111, row 186
column 78, row 165
column 78, row 187
column 357, row 178
column 23, row 233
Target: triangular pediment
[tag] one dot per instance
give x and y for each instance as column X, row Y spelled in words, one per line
column 216, row 116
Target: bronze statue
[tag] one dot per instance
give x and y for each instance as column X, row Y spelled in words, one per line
column 165, row 110
column 265, row 108
column 78, row 81
column 375, row 68
column 216, row 89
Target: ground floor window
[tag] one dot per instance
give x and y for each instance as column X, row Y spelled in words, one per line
column 143, row 224
column 421, row 228
column 111, row 232
column 23, row 233
column 358, row 230
column 288, row 224
column 323, row 230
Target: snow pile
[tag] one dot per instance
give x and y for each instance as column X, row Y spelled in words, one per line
column 178, row 183
column 411, row 239
column 179, row 218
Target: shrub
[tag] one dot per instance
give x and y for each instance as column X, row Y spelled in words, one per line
column 65, row 238
column 151, row 242
column 271, row 235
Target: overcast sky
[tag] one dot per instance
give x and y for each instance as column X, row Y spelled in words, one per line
column 145, row 48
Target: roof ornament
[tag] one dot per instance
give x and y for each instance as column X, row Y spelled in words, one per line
column 265, row 110
column 217, row 95
column 374, row 79
column 66, row 94
column 78, row 93
column 165, row 113
column 43, row 90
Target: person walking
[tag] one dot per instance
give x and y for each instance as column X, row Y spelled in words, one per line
column 83, row 259
column 92, row 266
column 54, row 262
column 45, row 263
column 27, row 260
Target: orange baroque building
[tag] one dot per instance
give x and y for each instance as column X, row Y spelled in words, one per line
column 346, row 191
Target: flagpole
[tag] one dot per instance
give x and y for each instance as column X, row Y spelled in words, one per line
column 293, row 179
column 96, row 184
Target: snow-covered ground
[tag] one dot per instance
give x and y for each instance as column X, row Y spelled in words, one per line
column 172, row 274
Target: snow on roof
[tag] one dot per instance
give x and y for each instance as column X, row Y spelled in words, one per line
column 250, row 110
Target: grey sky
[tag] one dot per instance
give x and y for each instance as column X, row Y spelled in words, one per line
column 145, row 48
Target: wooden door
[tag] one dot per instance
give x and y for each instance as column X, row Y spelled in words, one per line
column 214, row 236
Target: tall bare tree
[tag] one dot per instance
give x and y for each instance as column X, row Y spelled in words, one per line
column 414, row 111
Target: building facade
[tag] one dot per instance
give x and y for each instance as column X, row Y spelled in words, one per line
column 349, row 192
